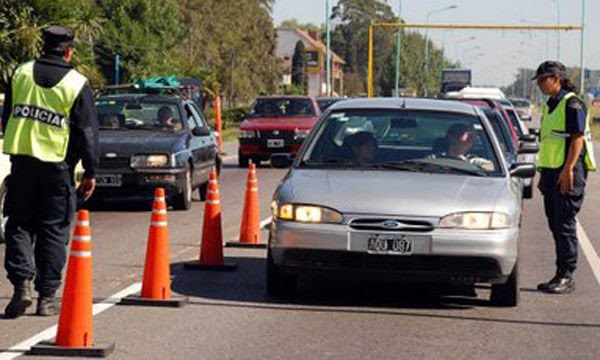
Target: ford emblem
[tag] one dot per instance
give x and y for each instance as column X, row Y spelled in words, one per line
column 391, row 225
column 111, row 155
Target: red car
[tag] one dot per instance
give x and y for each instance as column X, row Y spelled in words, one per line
column 276, row 125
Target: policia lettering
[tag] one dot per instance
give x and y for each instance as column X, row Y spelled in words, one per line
column 39, row 114
column 38, row 125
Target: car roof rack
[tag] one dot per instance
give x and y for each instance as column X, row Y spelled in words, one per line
column 152, row 86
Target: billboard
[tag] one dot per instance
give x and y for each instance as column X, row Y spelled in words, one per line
column 313, row 60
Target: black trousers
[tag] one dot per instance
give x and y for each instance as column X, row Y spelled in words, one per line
column 40, row 204
column 561, row 211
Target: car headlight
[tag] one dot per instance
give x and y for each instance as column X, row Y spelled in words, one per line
column 306, row 213
column 301, row 134
column 247, row 134
column 476, row 221
column 149, row 161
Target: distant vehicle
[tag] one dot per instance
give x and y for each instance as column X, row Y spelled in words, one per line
column 153, row 140
column 455, row 79
column 276, row 125
column 325, row 102
column 524, row 108
column 380, row 191
column 477, row 93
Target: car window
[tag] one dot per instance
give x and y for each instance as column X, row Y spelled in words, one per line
column 382, row 138
column 501, row 130
column 192, row 117
column 132, row 113
column 520, row 103
column 201, row 120
column 284, row 107
column 514, row 119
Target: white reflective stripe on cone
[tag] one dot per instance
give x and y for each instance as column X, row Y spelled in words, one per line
column 158, row 223
column 81, row 253
column 159, row 198
column 156, row 211
column 85, row 238
column 213, row 202
column 82, row 223
column 253, row 180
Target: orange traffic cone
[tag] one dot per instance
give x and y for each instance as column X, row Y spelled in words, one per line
column 156, row 286
column 250, row 228
column 75, row 336
column 211, row 248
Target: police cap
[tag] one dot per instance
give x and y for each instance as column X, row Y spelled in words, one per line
column 550, row 68
column 58, row 38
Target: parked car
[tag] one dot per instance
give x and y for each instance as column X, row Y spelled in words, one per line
column 524, row 108
column 275, row 125
column 151, row 140
column 404, row 210
column 325, row 102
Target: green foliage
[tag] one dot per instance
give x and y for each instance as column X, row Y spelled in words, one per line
column 294, row 90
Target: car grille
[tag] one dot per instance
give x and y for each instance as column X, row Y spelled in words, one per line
column 276, row 134
column 114, row 163
column 382, row 224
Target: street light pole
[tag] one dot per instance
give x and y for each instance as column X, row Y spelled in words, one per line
column 328, row 54
column 398, row 43
column 582, row 46
column 426, row 77
column 558, row 31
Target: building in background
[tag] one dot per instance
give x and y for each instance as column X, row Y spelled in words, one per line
column 316, row 67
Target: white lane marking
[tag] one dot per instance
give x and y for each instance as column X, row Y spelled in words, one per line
column 589, row 251
column 22, row 347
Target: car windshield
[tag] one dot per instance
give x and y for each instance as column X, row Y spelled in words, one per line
column 520, row 103
column 135, row 114
column 514, row 119
column 420, row 141
column 282, row 107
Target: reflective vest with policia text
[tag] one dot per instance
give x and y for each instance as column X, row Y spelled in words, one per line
column 38, row 125
column 553, row 137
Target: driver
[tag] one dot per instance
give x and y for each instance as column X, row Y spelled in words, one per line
column 165, row 118
column 363, row 145
column 460, row 141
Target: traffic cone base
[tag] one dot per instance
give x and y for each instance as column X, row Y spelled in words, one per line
column 175, row 301
column 196, row 265
column 49, row 348
column 237, row 244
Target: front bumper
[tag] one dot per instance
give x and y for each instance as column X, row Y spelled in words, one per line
column 139, row 185
column 451, row 256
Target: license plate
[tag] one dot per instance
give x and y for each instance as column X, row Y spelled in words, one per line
column 275, row 143
column 106, row 180
column 389, row 244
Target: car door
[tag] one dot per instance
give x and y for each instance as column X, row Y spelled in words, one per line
column 208, row 145
column 196, row 147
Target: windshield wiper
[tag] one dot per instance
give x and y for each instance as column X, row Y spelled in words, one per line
column 428, row 166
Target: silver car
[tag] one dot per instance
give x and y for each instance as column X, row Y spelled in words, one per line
column 379, row 189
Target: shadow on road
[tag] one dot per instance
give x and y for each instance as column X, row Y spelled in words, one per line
column 245, row 288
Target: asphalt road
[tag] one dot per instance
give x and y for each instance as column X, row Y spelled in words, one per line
column 229, row 315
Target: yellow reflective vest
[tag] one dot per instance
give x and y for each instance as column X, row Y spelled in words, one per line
column 39, row 122
column 553, row 136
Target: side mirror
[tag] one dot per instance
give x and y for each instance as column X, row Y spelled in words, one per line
column 200, row 131
column 522, row 170
column 534, row 131
column 528, row 137
column 281, row 160
column 527, row 147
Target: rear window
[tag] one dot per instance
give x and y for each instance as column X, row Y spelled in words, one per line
column 284, row 107
column 130, row 114
column 382, row 138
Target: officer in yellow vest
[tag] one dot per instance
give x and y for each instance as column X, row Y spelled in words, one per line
column 49, row 122
column 566, row 155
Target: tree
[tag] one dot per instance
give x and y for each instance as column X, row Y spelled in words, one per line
column 299, row 74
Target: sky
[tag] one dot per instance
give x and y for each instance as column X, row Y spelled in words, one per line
column 494, row 56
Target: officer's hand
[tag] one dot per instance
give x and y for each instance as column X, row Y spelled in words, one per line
column 540, row 186
column 86, row 188
column 566, row 181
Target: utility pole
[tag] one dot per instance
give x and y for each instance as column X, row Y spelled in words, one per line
column 398, row 49
column 582, row 46
column 328, row 53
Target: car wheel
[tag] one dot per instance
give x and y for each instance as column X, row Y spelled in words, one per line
column 279, row 283
column 528, row 192
column 218, row 165
column 184, row 200
column 243, row 161
column 2, row 217
column 507, row 294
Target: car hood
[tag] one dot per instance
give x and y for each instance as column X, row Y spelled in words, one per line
column 280, row 123
column 130, row 142
column 392, row 192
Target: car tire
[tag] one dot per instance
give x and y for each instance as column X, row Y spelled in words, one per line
column 528, row 192
column 507, row 294
column 243, row 161
column 184, row 200
column 2, row 218
column 202, row 191
column 218, row 165
column 279, row 283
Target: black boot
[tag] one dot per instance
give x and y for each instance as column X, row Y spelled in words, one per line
column 46, row 306
column 562, row 283
column 20, row 301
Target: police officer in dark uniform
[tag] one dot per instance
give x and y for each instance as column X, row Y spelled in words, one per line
column 566, row 155
column 49, row 122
